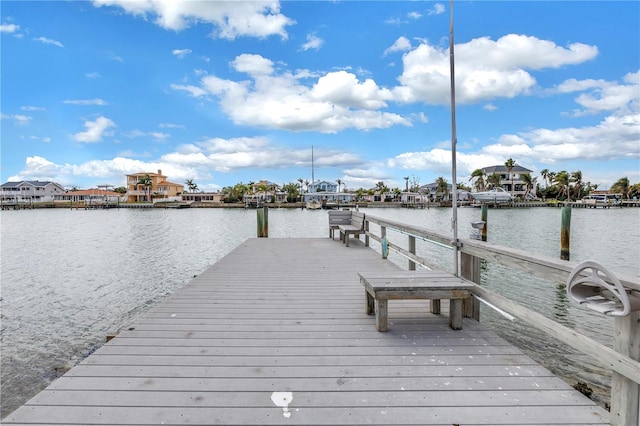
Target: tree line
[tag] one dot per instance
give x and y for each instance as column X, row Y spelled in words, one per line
column 560, row 185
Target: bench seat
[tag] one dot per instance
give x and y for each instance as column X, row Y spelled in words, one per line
column 355, row 227
column 433, row 285
column 337, row 218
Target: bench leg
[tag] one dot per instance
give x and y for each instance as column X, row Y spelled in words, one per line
column 369, row 303
column 455, row 314
column 346, row 238
column 381, row 315
column 435, row 306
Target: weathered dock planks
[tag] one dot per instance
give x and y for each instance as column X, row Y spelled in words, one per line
column 276, row 333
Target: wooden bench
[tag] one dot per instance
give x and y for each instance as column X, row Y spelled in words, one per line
column 355, row 227
column 337, row 218
column 434, row 285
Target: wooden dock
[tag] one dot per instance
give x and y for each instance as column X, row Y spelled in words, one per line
column 276, row 333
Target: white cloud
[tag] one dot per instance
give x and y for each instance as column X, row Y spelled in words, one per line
column 227, row 155
column 159, row 135
column 195, row 91
column 189, row 161
column 313, row 42
column 171, row 126
column 96, row 101
column 48, row 41
column 95, row 130
column 604, row 96
column 414, row 15
column 9, row 28
column 18, row 119
column 485, row 69
column 344, row 89
column 230, row 19
column 92, row 75
column 32, row 108
column 135, row 133
column 253, row 65
column 437, row 9
column 181, row 53
column 614, row 137
column 402, row 44
column 336, row 101
column 112, row 56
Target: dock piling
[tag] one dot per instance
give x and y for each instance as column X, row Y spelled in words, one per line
column 565, row 233
column 483, row 214
column 263, row 222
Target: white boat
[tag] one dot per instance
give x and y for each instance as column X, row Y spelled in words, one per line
column 314, row 205
column 495, row 195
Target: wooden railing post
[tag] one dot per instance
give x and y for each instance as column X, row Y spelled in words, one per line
column 383, row 237
column 624, row 391
column 470, row 270
column 412, row 250
column 366, row 233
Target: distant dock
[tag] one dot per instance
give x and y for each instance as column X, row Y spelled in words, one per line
column 276, row 333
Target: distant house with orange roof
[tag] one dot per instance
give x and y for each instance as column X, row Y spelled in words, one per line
column 159, row 187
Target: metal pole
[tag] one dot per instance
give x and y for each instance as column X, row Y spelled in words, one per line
column 454, row 202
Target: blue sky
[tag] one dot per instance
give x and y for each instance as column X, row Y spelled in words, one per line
column 228, row 92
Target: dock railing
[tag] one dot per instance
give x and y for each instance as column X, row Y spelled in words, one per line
column 621, row 360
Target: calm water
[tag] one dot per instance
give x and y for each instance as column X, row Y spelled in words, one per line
column 70, row 277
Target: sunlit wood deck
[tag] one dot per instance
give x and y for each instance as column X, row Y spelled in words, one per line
column 276, row 333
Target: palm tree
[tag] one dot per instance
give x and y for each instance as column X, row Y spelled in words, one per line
column 292, row 191
column 339, row 182
column 146, row 182
column 442, row 187
column 479, row 184
column 300, row 181
column 261, row 188
column 622, row 186
column 191, row 185
column 562, row 180
column 529, row 184
column 493, row 180
column 406, row 181
column 545, row 174
column 576, row 178
column 510, row 164
column 381, row 189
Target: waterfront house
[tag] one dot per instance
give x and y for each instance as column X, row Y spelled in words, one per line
column 413, row 198
column 90, row 197
column 203, row 197
column 323, row 186
column 506, row 179
column 327, row 193
column 30, row 191
column 329, row 197
column 160, row 187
